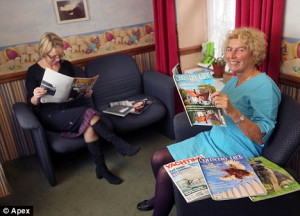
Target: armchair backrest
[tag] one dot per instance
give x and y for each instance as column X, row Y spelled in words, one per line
column 285, row 140
column 119, row 78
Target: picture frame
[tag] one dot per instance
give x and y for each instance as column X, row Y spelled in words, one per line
column 68, row 11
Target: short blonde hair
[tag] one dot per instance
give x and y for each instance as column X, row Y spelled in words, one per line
column 253, row 39
column 49, row 41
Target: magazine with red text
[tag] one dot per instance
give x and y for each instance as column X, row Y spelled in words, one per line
column 195, row 90
column 186, row 175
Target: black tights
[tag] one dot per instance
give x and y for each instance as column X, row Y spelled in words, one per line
column 164, row 198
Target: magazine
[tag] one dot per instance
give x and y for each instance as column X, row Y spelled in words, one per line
column 59, row 86
column 119, row 110
column 230, row 178
column 195, row 91
column 275, row 179
column 186, row 175
column 137, row 106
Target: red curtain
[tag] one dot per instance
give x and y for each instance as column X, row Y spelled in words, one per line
column 166, row 49
column 166, row 54
column 266, row 15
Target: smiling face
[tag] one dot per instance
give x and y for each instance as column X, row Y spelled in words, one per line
column 238, row 57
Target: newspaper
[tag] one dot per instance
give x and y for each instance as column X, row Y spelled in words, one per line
column 59, row 86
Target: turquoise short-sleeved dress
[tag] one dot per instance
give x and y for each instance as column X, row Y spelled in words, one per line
column 257, row 99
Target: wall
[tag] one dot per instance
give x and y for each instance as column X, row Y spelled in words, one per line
column 291, row 40
column 112, row 27
column 25, row 24
column 192, row 31
column 290, row 36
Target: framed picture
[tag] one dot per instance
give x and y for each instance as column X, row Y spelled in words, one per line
column 70, row 11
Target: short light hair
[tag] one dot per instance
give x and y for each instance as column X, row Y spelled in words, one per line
column 49, row 41
column 253, row 39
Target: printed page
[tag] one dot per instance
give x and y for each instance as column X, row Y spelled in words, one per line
column 58, row 86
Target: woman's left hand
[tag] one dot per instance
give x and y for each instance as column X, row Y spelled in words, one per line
column 88, row 94
column 221, row 100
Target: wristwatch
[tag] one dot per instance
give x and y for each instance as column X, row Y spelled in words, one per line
column 241, row 119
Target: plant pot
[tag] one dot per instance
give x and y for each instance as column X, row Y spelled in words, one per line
column 218, row 70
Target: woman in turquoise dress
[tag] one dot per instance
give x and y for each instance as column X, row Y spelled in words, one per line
column 249, row 102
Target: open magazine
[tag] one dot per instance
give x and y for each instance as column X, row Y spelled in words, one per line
column 195, row 91
column 59, row 86
column 186, row 175
column 134, row 107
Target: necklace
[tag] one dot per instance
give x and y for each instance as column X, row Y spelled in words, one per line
column 250, row 77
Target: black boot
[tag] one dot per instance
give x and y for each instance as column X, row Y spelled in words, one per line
column 101, row 168
column 121, row 145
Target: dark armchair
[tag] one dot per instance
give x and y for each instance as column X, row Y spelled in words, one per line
column 119, row 79
column 283, row 146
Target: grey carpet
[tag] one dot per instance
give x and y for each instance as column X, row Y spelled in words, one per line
column 78, row 192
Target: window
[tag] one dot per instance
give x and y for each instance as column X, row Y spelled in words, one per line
column 221, row 19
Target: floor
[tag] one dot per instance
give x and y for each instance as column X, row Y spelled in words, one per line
column 78, row 192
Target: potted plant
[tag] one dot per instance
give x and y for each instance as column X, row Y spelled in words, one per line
column 218, row 66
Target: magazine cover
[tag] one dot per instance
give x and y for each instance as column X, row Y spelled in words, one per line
column 195, row 92
column 275, row 179
column 230, row 177
column 186, row 175
column 83, row 85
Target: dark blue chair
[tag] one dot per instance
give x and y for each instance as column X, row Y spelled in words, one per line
column 281, row 149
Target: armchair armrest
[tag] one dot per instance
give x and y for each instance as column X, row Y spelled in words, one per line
column 160, row 86
column 28, row 120
column 25, row 116
column 163, row 88
column 183, row 129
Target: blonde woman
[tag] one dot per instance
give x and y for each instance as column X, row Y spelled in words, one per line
column 74, row 118
column 250, row 103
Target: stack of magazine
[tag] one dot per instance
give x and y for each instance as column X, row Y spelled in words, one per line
column 233, row 177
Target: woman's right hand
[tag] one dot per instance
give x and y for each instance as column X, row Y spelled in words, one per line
column 38, row 92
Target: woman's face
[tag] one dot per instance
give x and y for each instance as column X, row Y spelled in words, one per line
column 54, row 56
column 238, row 56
